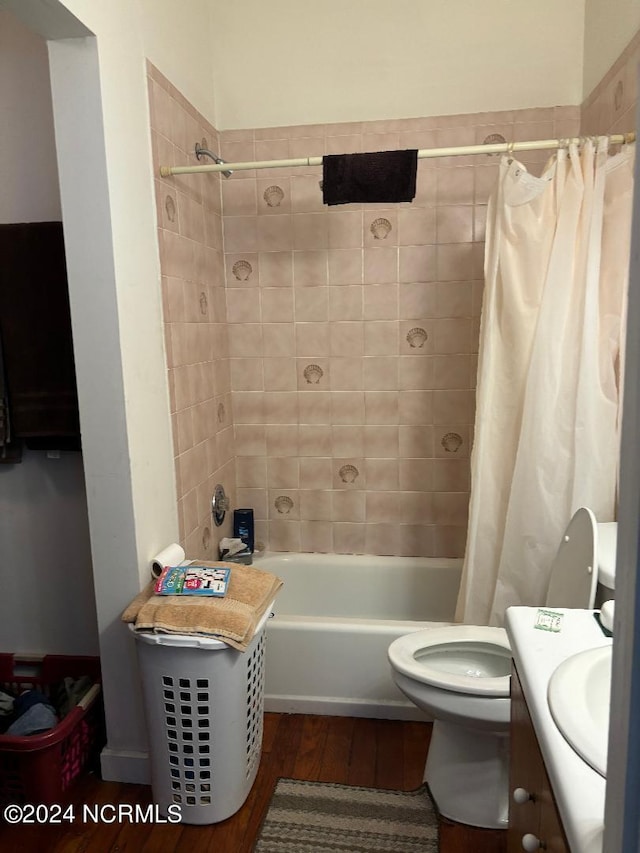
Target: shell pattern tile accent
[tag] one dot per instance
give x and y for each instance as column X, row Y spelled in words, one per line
column 221, row 412
column 273, row 196
column 313, row 373
column 452, row 442
column 348, row 474
column 242, row 270
column 283, row 504
column 380, row 228
column 416, row 338
column 170, row 207
column 203, row 303
column 494, row 139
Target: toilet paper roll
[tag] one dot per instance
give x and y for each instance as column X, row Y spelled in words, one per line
column 172, row 555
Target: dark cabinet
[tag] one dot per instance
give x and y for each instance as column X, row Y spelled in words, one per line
column 534, row 822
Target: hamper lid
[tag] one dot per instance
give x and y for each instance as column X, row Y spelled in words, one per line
column 192, row 641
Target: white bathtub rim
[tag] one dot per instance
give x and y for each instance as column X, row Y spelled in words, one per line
column 357, row 626
column 309, row 556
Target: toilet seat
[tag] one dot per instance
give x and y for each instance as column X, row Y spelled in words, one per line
column 574, row 571
column 460, row 676
column 475, row 659
column 471, row 659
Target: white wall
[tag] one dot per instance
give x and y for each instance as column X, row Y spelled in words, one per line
column 28, row 168
column 286, row 62
column 47, row 603
column 106, row 186
column 609, row 27
column 177, row 39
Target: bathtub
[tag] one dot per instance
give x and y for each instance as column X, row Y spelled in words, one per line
column 334, row 618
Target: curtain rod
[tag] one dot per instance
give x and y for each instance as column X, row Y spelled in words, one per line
column 423, row 153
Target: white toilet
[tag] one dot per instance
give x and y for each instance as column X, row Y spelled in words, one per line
column 460, row 676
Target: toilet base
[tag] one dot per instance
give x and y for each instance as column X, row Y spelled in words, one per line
column 467, row 771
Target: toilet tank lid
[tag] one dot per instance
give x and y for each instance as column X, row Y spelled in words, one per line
column 607, row 542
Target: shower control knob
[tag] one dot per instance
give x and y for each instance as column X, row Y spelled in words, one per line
column 219, row 505
column 521, row 796
column 530, row 843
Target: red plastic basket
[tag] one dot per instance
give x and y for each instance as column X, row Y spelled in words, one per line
column 41, row 768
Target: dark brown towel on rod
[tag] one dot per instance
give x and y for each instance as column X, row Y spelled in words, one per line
column 35, row 326
column 381, row 176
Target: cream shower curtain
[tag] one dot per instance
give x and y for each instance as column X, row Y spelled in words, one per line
column 548, row 396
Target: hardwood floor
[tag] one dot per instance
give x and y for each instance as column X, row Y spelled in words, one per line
column 352, row 751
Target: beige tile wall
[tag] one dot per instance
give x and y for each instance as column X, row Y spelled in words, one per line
column 345, row 338
column 611, row 107
column 192, row 266
column 353, row 334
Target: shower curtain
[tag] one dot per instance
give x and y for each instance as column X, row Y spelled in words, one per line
column 549, row 373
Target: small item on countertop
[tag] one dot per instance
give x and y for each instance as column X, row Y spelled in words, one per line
column 548, row 620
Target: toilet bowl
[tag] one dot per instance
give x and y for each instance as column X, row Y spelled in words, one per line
column 460, row 675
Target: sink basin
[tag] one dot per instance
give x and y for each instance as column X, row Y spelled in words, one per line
column 578, row 696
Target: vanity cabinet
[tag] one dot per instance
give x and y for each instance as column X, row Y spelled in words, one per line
column 534, row 822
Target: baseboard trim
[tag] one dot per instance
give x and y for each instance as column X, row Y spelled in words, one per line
column 330, row 707
column 121, row 766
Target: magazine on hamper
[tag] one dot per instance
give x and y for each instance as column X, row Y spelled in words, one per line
column 193, row 580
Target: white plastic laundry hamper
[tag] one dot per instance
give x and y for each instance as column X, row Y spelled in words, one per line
column 204, row 704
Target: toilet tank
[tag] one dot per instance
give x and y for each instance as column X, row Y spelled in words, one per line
column 607, row 542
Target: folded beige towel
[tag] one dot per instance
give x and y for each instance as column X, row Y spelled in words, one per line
column 232, row 619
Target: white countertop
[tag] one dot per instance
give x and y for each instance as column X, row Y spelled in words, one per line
column 579, row 791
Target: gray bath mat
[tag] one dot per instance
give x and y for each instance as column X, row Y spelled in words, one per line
column 317, row 817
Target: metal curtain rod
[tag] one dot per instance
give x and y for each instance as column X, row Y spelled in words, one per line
column 423, row 153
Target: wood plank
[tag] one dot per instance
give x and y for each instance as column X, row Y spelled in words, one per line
column 337, row 749
column 91, row 790
column 99, row 835
column 162, row 839
column 278, row 762
column 415, row 745
column 269, row 731
column 389, row 755
column 195, row 839
column 132, row 834
column 362, row 760
column 457, row 838
column 287, row 743
column 239, row 831
column 308, row 761
column 333, row 749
